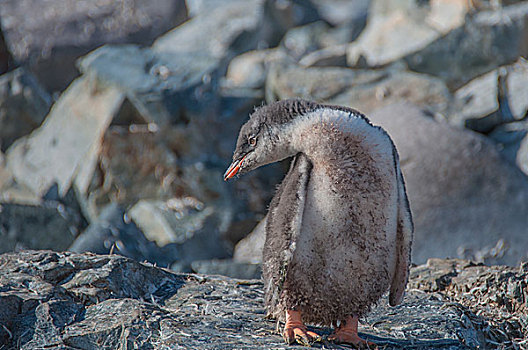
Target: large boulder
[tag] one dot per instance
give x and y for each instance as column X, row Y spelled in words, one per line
column 164, row 88
column 497, row 104
column 49, row 36
column 83, row 301
column 365, row 90
column 487, row 40
column 68, row 141
column 396, row 29
column 480, row 97
column 466, row 199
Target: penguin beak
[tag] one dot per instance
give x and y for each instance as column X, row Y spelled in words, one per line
column 233, row 168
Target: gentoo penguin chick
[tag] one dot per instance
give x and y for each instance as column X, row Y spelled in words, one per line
column 339, row 229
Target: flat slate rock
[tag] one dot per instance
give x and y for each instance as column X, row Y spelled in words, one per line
column 87, row 301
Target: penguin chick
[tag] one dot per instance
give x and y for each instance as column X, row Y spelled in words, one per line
column 339, row 228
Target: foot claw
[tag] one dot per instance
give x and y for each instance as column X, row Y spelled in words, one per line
column 295, row 330
column 300, row 335
column 347, row 333
column 352, row 338
column 314, row 336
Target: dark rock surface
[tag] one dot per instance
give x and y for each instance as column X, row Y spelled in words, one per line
column 113, row 232
column 23, row 105
column 57, row 226
column 497, row 294
column 86, row 301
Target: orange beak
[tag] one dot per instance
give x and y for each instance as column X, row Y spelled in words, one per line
column 233, row 168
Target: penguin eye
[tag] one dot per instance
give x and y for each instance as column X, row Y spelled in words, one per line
column 252, row 140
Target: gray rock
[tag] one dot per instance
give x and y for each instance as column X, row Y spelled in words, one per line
column 6, row 60
column 70, row 300
column 386, row 40
column 344, row 13
column 197, row 7
column 23, row 105
column 509, row 138
column 498, row 289
column 318, row 36
column 479, row 99
column 171, row 221
column 249, row 249
column 521, row 158
column 396, row 29
column 364, row 90
column 66, row 146
column 10, row 191
column 464, row 196
column 113, row 232
column 50, row 36
column 164, row 88
column 334, row 56
column 281, row 14
column 174, row 188
column 235, row 27
column 136, row 163
column 50, row 225
column 249, row 70
column 486, row 40
column 187, row 228
column 178, row 149
column 298, row 42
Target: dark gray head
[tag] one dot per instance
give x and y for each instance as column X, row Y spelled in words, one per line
column 261, row 140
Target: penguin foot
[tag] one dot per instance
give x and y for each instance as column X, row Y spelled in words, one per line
column 295, row 330
column 347, row 333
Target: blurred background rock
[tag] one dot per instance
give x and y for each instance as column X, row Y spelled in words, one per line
column 118, row 118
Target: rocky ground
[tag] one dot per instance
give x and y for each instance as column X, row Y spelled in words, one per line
column 87, row 301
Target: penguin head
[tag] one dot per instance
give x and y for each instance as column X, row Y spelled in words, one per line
column 266, row 137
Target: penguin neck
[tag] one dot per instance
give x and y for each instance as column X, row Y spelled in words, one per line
column 327, row 134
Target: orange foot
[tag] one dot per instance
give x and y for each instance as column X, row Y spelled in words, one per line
column 295, row 330
column 347, row 333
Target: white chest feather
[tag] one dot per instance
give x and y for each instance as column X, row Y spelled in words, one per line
column 351, row 207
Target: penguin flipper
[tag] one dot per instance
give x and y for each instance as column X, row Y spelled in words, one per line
column 283, row 226
column 404, row 238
